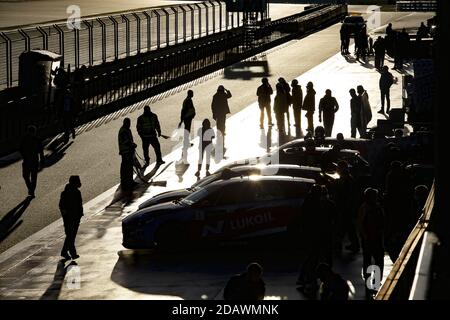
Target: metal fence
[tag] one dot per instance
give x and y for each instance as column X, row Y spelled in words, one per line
column 103, row 39
column 416, row 5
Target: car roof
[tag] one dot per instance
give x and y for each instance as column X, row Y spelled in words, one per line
column 274, row 166
column 330, row 140
column 354, row 17
column 221, row 183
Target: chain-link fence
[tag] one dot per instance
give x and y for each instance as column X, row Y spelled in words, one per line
column 103, row 39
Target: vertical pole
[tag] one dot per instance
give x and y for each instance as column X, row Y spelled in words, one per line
column 167, row 27
column 8, row 59
column 127, row 34
column 61, row 42
column 116, row 38
column 90, row 42
column 138, row 30
column 26, row 37
column 175, row 10
column 102, row 24
column 44, row 37
column 158, row 30
column 77, row 46
column 149, row 30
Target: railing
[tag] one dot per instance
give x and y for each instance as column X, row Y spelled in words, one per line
column 102, row 39
column 416, row 5
column 400, row 280
column 121, row 83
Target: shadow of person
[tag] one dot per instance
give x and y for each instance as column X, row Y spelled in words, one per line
column 9, row 222
column 57, row 154
column 350, row 59
column 180, row 169
column 265, row 139
column 54, row 290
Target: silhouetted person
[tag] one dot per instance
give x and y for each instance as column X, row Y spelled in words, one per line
column 345, row 202
column 68, row 115
column 187, row 114
column 422, row 32
column 149, row 130
column 361, row 44
column 390, row 40
column 366, row 110
column 345, row 39
column 220, row 109
column 397, row 203
column 297, row 102
column 380, row 52
column 280, row 107
column 401, row 47
column 126, row 150
column 332, row 287
column 71, row 207
column 355, row 113
column 309, row 105
column 264, row 92
column 371, row 230
column 32, row 154
column 328, row 106
column 385, row 83
column 248, row 286
column 206, row 134
column 371, row 51
column 315, row 224
column 287, row 92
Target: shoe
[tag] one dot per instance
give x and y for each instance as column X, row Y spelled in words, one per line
column 261, row 127
column 381, row 111
column 75, row 256
column 160, row 162
column 197, row 174
column 271, row 124
column 208, row 173
column 65, row 256
column 31, row 194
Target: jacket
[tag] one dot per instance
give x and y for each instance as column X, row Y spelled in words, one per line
column 71, row 203
column 219, row 104
column 126, row 143
column 148, row 125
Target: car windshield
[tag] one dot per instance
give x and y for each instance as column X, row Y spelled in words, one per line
column 194, row 197
column 356, row 19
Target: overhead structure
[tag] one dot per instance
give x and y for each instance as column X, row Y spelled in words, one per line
column 250, row 9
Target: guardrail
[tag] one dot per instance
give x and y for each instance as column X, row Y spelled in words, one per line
column 102, row 39
column 397, row 285
column 147, row 74
column 429, row 5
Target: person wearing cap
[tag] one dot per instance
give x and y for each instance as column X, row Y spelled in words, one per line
column 71, row 207
column 248, row 285
column 220, row 109
column 264, row 92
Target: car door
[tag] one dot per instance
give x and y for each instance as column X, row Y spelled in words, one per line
column 211, row 218
column 269, row 208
